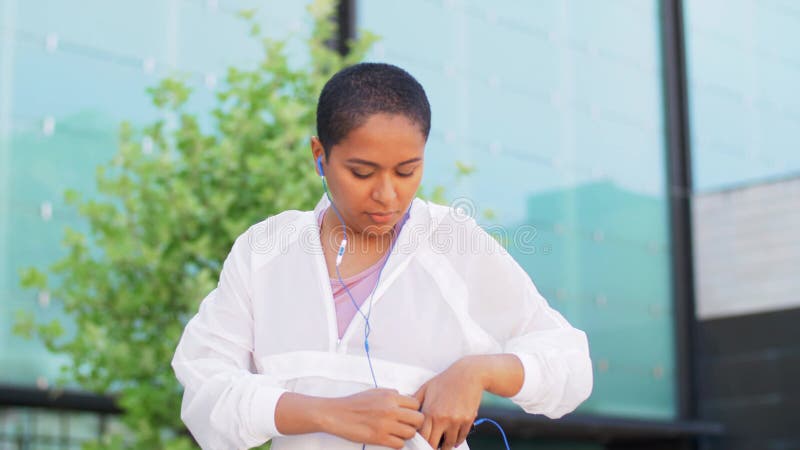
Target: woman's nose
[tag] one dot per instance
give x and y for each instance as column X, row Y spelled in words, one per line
column 384, row 192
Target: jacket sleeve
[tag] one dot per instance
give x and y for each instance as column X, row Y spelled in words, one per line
column 554, row 355
column 225, row 405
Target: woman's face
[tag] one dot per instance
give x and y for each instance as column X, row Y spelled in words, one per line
column 374, row 172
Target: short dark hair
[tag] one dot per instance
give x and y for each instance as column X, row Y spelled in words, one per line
column 357, row 92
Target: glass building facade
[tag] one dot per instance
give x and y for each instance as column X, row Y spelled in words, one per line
column 558, row 108
column 743, row 61
column 71, row 72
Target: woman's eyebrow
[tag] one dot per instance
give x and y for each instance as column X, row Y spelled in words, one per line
column 372, row 164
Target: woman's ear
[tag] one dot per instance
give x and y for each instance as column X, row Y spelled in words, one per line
column 317, row 152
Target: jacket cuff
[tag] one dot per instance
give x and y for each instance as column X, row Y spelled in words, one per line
column 531, row 391
column 262, row 411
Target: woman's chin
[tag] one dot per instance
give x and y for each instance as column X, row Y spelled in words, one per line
column 373, row 230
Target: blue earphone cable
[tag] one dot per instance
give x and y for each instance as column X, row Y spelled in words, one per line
column 503, row 433
column 367, row 325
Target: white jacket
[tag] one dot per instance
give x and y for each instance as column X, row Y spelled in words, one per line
column 448, row 290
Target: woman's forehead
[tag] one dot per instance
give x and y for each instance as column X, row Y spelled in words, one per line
column 383, row 139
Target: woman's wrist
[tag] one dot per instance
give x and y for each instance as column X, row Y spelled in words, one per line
column 300, row 414
column 479, row 367
column 324, row 414
column 499, row 374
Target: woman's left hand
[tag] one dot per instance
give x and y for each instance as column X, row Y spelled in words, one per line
column 450, row 402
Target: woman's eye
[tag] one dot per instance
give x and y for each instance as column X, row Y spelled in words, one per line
column 367, row 175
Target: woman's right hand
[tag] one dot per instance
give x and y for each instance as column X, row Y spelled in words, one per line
column 376, row 416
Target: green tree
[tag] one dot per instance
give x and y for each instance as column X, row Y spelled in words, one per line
column 165, row 219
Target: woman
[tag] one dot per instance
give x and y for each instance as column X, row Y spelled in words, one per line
column 387, row 336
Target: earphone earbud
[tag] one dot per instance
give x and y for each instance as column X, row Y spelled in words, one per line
column 319, row 165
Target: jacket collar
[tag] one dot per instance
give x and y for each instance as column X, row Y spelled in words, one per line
column 414, row 233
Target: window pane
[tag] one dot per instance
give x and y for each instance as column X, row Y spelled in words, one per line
column 741, row 57
column 69, row 73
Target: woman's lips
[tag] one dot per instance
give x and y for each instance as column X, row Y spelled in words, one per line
column 381, row 218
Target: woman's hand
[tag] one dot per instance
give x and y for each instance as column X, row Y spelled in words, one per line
column 376, row 416
column 450, row 402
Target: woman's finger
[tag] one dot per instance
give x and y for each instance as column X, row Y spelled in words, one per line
column 420, row 394
column 403, row 431
column 450, row 435
column 437, row 434
column 425, row 430
column 404, row 401
column 462, row 434
column 411, row 417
